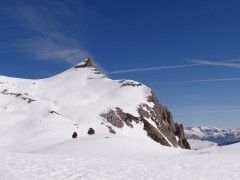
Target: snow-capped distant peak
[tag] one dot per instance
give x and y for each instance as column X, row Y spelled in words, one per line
column 213, row 134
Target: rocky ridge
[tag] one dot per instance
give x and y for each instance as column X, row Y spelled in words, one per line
column 158, row 120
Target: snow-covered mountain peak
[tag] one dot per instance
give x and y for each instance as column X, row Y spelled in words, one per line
column 80, row 99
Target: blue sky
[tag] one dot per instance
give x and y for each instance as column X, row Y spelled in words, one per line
column 186, row 51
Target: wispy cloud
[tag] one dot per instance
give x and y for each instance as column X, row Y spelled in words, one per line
column 200, row 80
column 154, row 68
column 45, row 25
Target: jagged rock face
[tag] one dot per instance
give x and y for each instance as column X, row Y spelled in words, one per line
column 117, row 118
column 181, row 134
column 157, row 121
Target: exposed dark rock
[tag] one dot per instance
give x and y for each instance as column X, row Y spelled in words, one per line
column 121, row 81
column 91, row 131
column 186, row 144
column 154, row 133
column 181, row 134
column 74, row 135
column 5, row 92
column 117, row 118
column 113, row 119
column 54, row 112
column 131, row 84
column 87, row 63
column 127, row 118
column 111, row 130
column 161, row 129
column 28, row 99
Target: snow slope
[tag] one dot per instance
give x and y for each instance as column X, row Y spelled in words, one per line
column 38, row 117
column 49, row 110
column 200, row 144
column 107, row 156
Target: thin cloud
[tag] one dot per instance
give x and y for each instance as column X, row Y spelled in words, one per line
column 47, row 37
column 45, row 49
column 193, row 63
column 154, row 68
column 214, row 63
column 199, row 81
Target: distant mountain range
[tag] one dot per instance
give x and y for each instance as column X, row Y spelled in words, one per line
column 217, row 135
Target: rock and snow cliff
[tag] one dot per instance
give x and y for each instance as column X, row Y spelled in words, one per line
column 49, row 110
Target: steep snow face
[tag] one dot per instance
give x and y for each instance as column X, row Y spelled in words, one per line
column 217, row 135
column 49, row 110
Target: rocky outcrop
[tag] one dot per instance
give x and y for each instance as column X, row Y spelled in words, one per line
column 130, row 83
column 91, row 131
column 74, row 135
column 87, row 63
column 17, row 95
column 157, row 122
column 181, row 134
column 117, row 118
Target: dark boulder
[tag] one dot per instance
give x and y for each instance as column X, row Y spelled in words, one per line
column 74, row 135
column 91, row 131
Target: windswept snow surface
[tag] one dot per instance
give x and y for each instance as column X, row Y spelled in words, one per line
column 106, row 156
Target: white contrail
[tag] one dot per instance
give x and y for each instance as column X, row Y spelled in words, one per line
column 225, row 63
column 201, row 80
column 155, row 68
column 214, row 63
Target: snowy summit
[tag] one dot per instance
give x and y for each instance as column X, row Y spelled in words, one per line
column 79, row 102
